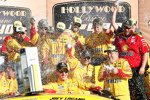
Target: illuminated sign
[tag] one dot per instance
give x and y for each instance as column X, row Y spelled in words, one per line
column 10, row 14
column 88, row 11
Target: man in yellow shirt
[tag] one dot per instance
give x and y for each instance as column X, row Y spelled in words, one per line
column 83, row 71
column 12, row 80
column 13, row 43
column 97, row 42
column 60, row 43
column 4, row 85
column 68, row 86
column 115, row 72
column 77, row 36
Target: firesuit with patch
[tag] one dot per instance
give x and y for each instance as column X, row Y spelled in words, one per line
column 117, row 83
column 4, row 86
column 70, row 86
column 13, row 85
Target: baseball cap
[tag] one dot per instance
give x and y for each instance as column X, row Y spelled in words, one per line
column 61, row 25
column 111, row 48
column 50, row 29
column 62, row 65
column 97, row 21
column 77, row 21
column 129, row 23
column 85, row 54
column 17, row 23
column 20, row 29
column 43, row 23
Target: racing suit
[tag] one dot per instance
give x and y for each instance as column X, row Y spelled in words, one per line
column 54, row 50
column 117, row 84
column 70, row 86
column 13, row 85
column 4, row 86
column 82, row 72
column 80, row 42
column 11, row 45
column 132, row 48
column 97, row 44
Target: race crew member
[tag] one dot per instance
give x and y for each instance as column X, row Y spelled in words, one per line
column 13, row 43
column 41, row 39
column 115, row 72
column 60, row 44
column 117, row 28
column 83, row 70
column 134, row 49
column 12, row 80
column 97, row 42
column 68, row 86
column 4, row 85
column 77, row 36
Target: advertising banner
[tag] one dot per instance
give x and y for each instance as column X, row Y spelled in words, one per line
column 88, row 11
column 8, row 15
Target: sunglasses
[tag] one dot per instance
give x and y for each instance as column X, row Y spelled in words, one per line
column 62, row 71
column 87, row 58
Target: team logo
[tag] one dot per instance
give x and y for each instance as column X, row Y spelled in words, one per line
column 125, row 47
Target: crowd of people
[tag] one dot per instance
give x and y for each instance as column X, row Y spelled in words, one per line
column 71, row 63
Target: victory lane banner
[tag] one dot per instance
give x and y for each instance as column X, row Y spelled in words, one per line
column 88, row 11
column 8, row 15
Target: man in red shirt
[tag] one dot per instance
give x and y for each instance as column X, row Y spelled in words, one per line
column 134, row 48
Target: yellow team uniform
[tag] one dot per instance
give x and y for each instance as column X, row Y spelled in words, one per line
column 79, row 44
column 43, row 47
column 4, row 86
column 55, row 51
column 96, row 81
column 80, row 37
column 70, row 86
column 58, row 48
column 35, row 39
column 97, row 44
column 117, row 83
column 13, row 85
column 79, row 71
column 13, row 47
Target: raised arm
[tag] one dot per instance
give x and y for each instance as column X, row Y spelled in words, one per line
column 114, row 24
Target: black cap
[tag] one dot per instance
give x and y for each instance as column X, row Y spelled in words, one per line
column 129, row 23
column 61, row 65
column 85, row 53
